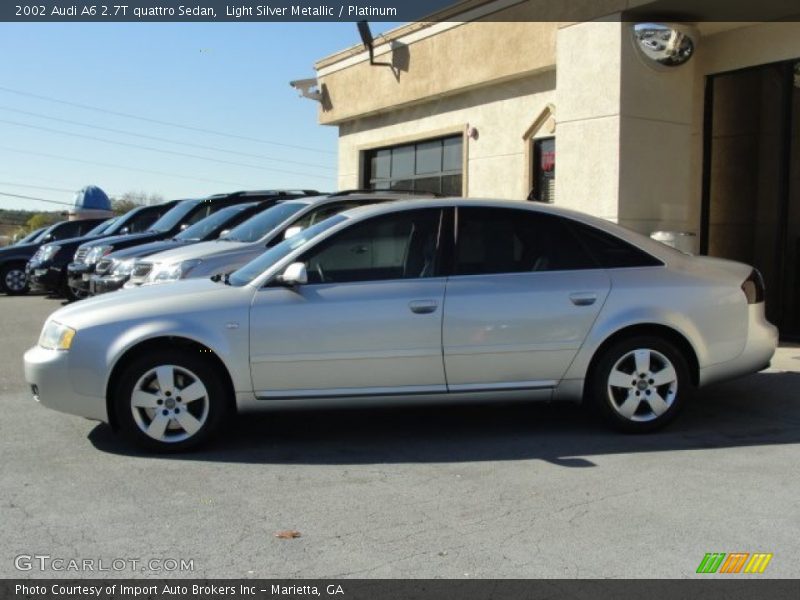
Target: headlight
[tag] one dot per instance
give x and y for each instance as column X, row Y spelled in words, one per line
column 48, row 252
column 96, row 253
column 122, row 267
column 56, row 336
column 164, row 273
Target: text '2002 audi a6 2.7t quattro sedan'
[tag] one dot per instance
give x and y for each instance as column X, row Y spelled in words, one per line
column 423, row 300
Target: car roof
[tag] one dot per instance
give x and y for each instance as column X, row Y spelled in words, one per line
column 377, row 197
column 642, row 241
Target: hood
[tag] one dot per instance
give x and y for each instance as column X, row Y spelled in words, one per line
column 147, row 249
column 21, row 248
column 76, row 241
column 152, row 303
column 127, row 239
column 199, row 250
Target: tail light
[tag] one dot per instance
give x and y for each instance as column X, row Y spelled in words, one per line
column 753, row 288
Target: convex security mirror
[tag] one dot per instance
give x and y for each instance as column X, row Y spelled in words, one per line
column 665, row 45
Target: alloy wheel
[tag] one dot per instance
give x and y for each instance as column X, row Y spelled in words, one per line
column 169, row 403
column 642, row 385
column 15, row 280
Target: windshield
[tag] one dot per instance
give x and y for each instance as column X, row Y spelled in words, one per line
column 123, row 221
column 31, row 237
column 258, row 265
column 261, row 224
column 175, row 215
column 204, row 228
column 101, row 227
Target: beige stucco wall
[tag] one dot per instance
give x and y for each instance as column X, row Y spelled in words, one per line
column 462, row 57
column 629, row 138
column 495, row 162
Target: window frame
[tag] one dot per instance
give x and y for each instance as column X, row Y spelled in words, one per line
column 370, row 181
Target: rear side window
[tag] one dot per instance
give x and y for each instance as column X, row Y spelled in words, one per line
column 610, row 251
column 506, row 240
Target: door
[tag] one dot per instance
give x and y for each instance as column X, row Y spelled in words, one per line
column 751, row 203
column 369, row 320
column 521, row 301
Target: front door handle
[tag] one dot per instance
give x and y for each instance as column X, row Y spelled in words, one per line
column 583, row 298
column 423, row 307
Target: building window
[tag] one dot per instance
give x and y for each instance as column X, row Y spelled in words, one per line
column 544, row 170
column 429, row 166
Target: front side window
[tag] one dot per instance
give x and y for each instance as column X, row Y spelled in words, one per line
column 506, row 240
column 429, row 166
column 396, row 246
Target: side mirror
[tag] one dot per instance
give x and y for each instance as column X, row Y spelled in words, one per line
column 295, row 274
column 224, row 232
column 184, row 226
column 292, row 231
column 124, row 230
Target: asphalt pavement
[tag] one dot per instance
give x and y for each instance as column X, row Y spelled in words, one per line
column 509, row 491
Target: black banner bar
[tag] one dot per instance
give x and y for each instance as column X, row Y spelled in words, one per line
column 393, row 10
column 743, row 587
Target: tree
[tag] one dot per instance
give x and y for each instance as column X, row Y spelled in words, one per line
column 130, row 200
column 41, row 220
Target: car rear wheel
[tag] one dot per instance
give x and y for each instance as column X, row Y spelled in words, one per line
column 640, row 384
column 13, row 280
column 170, row 401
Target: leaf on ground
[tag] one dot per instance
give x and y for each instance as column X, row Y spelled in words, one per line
column 287, row 534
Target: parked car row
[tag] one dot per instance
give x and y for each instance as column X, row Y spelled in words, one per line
column 285, row 298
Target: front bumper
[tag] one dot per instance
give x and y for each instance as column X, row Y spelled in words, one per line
column 47, row 372
column 106, row 283
column 761, row 343
column 78, row 276
column 43, row 278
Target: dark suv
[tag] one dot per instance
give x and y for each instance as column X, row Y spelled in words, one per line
column 182, row 216
column 13, row 259
column 47, row 270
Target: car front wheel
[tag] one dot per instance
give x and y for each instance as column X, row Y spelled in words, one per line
column 13, row 280
column 170, row 401
column 640, row 384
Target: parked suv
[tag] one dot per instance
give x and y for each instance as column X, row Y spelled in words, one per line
column 254, row 236
column 111, row 271
column 13, row 259
column 47, row 270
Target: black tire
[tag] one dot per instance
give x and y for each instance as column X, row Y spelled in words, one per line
column 643, row 404
column 9, row 276
column 187, row 367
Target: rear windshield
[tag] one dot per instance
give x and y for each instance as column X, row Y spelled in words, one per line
column 260, row 225
column 174, row 215
column 207, row 226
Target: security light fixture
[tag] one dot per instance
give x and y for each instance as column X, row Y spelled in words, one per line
column 664, row 45
column 308, row 88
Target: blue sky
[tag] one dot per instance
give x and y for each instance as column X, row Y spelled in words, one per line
column 224, row 77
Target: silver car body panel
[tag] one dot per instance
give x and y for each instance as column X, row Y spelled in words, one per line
column 359, row 343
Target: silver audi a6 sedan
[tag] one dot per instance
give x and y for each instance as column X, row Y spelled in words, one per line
column 423, row 301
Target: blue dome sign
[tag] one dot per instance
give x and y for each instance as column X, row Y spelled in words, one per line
column 92, row 197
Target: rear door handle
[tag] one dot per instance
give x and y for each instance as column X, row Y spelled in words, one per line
column 583, row 298
column 423, row 307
